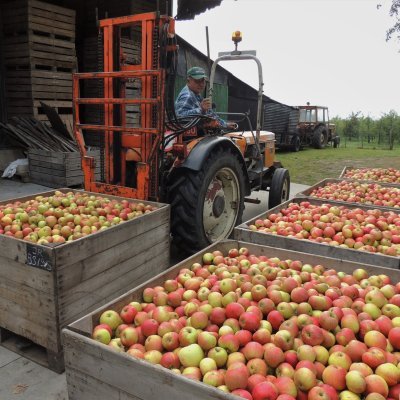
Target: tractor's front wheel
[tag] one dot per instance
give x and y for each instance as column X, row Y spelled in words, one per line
column 280, row 187
column 206, row 205
column 320, row 138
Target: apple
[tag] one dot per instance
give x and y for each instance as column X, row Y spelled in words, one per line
column 265, row 391
column 219, row 355
column 111, row 318
column 389, row 372
column 335, row 376
column 191, row 355
column 207, row 364
column 236, row 377
column 101, row 335
column 213, row 378
column 304, row 379
column 170, row 360
column 187, row 335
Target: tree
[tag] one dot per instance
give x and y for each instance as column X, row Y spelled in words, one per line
column 395, row 13
column 351, row 125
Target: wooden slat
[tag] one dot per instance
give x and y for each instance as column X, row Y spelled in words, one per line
column 98, row 264
column 80, row 249
column 54, row 16
column 67, row 33
column 242, row 232
column 54, row 181
column 103, row 288
column 84, row 386
column 51, row 7
column 66, row 173
column 34, row 352
column 86, row 324
column 148, row 381
column 30, row 323
column 27, row 297
column 50, row 23
column 71, row 166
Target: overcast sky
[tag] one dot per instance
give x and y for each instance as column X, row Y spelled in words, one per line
column 328, row 52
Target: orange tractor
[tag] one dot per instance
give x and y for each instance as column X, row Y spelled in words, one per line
column 205, row 173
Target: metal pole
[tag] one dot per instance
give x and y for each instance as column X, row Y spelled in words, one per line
column 208, row 56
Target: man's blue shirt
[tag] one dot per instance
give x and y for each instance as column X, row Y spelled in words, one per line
column 188, row 104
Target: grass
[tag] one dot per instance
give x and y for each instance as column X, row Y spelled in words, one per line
column 310, row 166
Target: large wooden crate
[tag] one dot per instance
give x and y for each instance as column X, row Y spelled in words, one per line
column 96, row 371
column 348, row 168
column 324, row 182
column 43, row 288
column 58, row 169
column 242, row 232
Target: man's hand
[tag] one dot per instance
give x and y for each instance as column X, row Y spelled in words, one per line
column 205, row 104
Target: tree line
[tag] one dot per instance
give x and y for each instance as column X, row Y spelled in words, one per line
column 383, row 132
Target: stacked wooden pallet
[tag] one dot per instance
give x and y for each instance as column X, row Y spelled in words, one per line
column 59, row 169
column 39, row 57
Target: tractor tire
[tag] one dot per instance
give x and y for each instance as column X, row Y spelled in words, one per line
column 320, row 138
column 336, row 142
column 296, row 144
column 207, row 204
column 280, row 187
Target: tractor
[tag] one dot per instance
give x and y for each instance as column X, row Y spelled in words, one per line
column 314, row 127
column 204, row 172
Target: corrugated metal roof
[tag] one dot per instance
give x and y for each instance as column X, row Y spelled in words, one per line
column 188, row 9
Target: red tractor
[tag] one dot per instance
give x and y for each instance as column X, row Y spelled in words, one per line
column 155, row 155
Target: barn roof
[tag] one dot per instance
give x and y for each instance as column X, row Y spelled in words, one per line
column 188, row 9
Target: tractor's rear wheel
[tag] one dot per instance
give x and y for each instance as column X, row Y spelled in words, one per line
column 207, row 205
column 280, row 187
column 320, row 138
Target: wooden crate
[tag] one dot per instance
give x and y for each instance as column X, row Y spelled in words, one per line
column 95, row 371
column 324, row 182
column 44, row 288
column 58, row 169
column 242, row 232
column 347, row 168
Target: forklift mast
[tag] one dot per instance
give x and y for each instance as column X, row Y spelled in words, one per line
column 121, row 140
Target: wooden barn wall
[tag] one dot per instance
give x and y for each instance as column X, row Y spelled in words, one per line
column 243, row 98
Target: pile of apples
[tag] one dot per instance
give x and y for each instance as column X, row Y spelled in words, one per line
column 371, row 230
column 65, row 216
column 356, row 192
column 267, row 329
column 387, row 175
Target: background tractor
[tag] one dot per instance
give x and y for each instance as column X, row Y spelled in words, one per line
column 204, row 172
column 314, row 127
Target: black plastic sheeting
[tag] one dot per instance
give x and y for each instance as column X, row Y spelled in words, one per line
column 188, row 9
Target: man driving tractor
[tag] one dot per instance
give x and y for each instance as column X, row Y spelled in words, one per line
column 190, row 101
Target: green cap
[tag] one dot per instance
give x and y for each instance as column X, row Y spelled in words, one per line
column 196, row 73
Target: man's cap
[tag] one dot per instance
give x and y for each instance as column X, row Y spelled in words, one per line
column 196, row 73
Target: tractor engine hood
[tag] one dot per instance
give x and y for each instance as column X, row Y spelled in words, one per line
column 188, row 9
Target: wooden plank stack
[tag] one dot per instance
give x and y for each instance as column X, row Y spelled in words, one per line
column 39, row 58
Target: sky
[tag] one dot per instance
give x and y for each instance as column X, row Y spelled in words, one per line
column 328, row 52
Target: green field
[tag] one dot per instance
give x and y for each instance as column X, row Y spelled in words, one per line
column 310, row 166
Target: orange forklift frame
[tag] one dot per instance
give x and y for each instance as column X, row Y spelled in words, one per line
column 147, row 137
